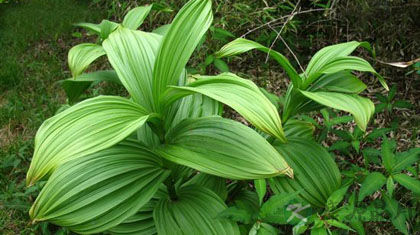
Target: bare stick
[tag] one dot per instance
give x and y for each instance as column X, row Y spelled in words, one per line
column 281, row 30
column 294, row 56
column 290, row 50
column 281, row 18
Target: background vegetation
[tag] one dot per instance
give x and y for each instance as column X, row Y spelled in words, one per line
column 36, row 35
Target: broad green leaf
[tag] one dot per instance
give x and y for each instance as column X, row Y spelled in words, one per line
column 193, row 106
column 179, row 42
column 406, row 159
column 314, row 171
column 299, row 228
column 388, row 158
column 277, row 101
column 261, row 189
column 224, row 148
column 107, row 27
column 336, row 197
column 390, row 186
column 330, row 53
column 339, row 224
column 264, row 229
column 247, row 200
column 403, row 104
column 247, row 100
column 146, row 135
column 319, row 231
column 346, row 63
column 237, row 215
column 408, row 182
column 193, row 212
column 140, row 223
column 242, row 45
column 342, row 81
column 361, row 108
column 85, row 128
column 101, row 190
column 132, row 55
column 300, row 129
column 398, row 218
column 373, row 182
column 216, row 184
column 295, row 102
column 74, row 87
column 162, row 30
column 82, row 55
column 358, row 226
column 279, row 209
column 136, row 16
column 95, row 28
column 221, row 65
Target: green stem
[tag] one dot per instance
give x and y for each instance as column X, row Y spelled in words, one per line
column 170, row 185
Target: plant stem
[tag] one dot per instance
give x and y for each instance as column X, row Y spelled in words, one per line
column 170, row 185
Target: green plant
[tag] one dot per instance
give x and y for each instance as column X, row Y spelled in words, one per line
column 388, row 103
column 101, row 174
column 158, row 161
column 394, row 166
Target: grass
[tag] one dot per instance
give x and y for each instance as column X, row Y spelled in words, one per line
column 34, row 39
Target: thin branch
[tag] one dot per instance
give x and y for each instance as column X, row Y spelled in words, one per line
column 290, row 50
column 281, row 18
column 281, row 30
column 294, row 56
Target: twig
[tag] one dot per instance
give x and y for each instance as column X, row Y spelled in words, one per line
column 281, row 18
column 281, row 30
column 290, row 50
column 294, row 56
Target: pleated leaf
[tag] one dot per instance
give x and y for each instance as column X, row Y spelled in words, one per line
column 179, row 42
column 85, row 128
column 347, row 63
column 82, row 55
column 94, row 28
column 107, row 27
column 74, row 87
column 224, row 148
column 314, row 171
column 335, row 58
column 342, row 81
column 136, row 16
column 194, row 212
column 214, row 183
column 361, row 108
column 132, row 54
column 196, row 105
column 101, row 190
column 297, row 128
column 102, row 30
column 242, row 45
column 330, row 53
column 141, row 223
column 240, row 94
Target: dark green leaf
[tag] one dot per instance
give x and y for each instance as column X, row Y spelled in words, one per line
column 195, row 211
column 373, row 182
